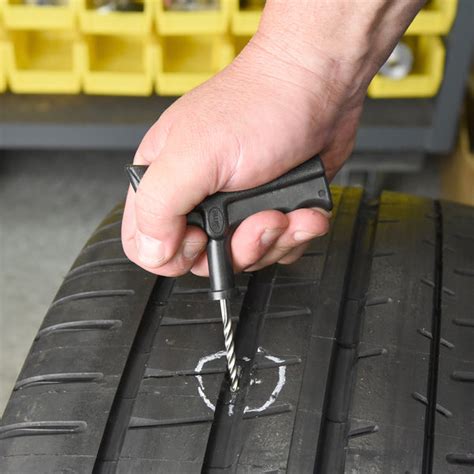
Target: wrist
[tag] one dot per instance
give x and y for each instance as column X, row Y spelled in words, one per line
column 345, row 42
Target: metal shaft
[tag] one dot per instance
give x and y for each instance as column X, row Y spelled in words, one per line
column 229, row 344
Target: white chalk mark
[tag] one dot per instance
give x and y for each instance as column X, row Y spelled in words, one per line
column 274, row 395
column 276, row 391
column 199, row 366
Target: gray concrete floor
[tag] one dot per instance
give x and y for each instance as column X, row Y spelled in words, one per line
column 50, row 202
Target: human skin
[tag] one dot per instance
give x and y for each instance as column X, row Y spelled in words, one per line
column 295, row 90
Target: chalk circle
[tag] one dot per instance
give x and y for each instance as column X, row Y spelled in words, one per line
column 218, row 355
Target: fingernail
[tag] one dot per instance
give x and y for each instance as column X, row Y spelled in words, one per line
column 322, row 211
column 301, row 236
column 192, row 249
column 151, row 252
column 270, row 235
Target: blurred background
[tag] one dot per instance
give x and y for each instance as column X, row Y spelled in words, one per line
column 82, row 80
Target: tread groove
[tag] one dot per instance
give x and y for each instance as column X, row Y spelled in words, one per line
column 378, row 300
column 372, row 353
column 465, row 322
column 140, row 423
column 99, row 263
column 462, row 376
column 101, row 242
column 61, row 378
column 469, row 272
column 152, row 373
column 199, row 291
column 83, row 295
column 424, row 332
column 36, row 428
column 461, row 458
column 170, row 321
column 432, row 405
column 224, row 443
column 364, row 431
column 88, row 325
column 439, row 408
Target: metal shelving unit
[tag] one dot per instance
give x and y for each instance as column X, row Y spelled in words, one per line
column 87, row 122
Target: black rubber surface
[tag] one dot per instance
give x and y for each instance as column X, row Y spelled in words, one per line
column 359, row 358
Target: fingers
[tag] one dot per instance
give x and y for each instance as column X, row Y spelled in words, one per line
column 193, row 244
column 269, row 237
column 169, row 190
column 154, row 229
column 303, row 226
column 251, row 240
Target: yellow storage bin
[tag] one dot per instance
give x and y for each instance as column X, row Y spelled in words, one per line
column 172, row 22
column 119, row 65
column 18, row 15
column 115, row 22
column 425, row 78
column 436, row 17
column 245, row 16
column 44, row 62
column 3, row 65
column 187, row 61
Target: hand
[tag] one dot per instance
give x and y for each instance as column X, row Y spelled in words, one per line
column 245, row 127
column 280, row 102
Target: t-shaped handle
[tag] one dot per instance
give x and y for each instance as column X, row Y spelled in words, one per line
column 218, row 215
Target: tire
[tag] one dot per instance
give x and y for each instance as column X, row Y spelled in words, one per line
column 359, row 358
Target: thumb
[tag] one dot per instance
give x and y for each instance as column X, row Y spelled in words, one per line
column 173, row 185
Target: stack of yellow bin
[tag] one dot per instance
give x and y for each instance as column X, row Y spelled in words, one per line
column 72, row 46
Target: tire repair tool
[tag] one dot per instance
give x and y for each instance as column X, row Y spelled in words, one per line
column 218, row 215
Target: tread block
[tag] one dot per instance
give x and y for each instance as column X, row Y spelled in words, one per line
column 454, row 441
column 384, row 385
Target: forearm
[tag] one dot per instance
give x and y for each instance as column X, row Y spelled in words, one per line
column 345, row 40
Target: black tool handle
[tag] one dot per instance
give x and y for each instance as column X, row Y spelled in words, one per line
column 302, row 187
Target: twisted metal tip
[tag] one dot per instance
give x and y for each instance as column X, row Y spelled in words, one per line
column 229, row 345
